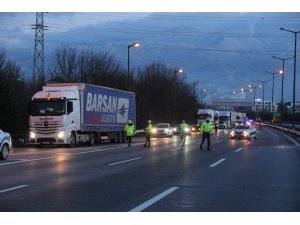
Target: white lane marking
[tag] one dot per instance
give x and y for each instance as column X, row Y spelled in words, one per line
column 20, row 159
column 69, row 154
column 218, row 162
column 173, row 149
column 248, row 143
column 112, row 164
column 238, row 149
column 13, row 188
column 153, row 200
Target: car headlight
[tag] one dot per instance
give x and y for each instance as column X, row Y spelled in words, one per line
column 186, row 129
column 245, row 133
column 231, row 133
column 61, row 135
column 32, row 135
column 193, row 129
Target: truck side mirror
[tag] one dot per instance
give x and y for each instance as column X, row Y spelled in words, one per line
column 69, row 107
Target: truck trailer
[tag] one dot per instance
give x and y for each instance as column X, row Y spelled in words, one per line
column 73, row 113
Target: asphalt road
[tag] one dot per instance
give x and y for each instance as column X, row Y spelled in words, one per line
column 237, row 175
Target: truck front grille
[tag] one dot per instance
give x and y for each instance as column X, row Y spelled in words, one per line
column 50, row 128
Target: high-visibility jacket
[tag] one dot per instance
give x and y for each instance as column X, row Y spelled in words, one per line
column 149, row 128
column 129, row 129
column 206, row 127
column 183, row 126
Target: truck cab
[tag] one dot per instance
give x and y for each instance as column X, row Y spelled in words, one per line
column 54, row 115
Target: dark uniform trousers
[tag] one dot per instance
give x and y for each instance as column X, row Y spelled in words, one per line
column 205, row 135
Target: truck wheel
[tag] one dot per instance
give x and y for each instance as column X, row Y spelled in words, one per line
column 72, row 140
column 4, row 152
column 92, row 139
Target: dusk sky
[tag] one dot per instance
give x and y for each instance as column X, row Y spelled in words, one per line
column 224, row 45
column 222, row 51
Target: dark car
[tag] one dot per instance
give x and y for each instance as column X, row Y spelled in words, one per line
column 243, row 132
column 176, row 129
column 195, row 128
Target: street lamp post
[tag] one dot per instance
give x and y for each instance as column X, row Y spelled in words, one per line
column 263, row 85
column 194, row 87
column 136, row 44
column 294, row 82
column 245, row 91
column 237, row 93
column 176, row 71
column 272, row 88
column 201, row 95
column 254, row 94
column 282, row 80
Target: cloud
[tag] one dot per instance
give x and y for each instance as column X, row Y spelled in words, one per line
column 216, row 49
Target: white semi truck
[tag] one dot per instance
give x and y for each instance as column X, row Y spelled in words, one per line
column 240, row 117
column 72, row 113
column 227, row 119
column 204, row 114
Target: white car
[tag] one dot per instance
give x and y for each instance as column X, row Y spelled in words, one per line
column 5, row 144
column 244, row 132
column 162, row 130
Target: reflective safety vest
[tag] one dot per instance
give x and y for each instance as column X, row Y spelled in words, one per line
column 206, row 127
column 149, row 128
column 183, row 126
column 129, row 129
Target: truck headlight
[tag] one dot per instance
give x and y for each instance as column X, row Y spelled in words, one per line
column 154, row 130
column 31, row 135
column 61, row 135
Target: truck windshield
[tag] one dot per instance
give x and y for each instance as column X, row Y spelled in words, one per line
column 224, row 118
column 47, row 108
column 204, row 116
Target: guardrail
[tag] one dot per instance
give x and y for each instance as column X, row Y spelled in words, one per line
column 284, row 129
column 140, row 132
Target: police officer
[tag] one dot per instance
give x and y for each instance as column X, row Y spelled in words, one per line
column 183, row 126
column 206, row 129
column 148, row 130
column 129, row 130
column 216, row 128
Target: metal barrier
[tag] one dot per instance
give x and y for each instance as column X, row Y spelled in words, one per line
column 284, row 129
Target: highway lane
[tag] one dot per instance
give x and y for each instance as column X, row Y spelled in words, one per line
column 238, row 175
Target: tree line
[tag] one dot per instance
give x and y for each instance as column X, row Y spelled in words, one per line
column 162, row 95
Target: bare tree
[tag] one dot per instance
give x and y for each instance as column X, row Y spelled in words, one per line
column 156, row 96
column 88, row 66
column 13, row 92
column 65, row 65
